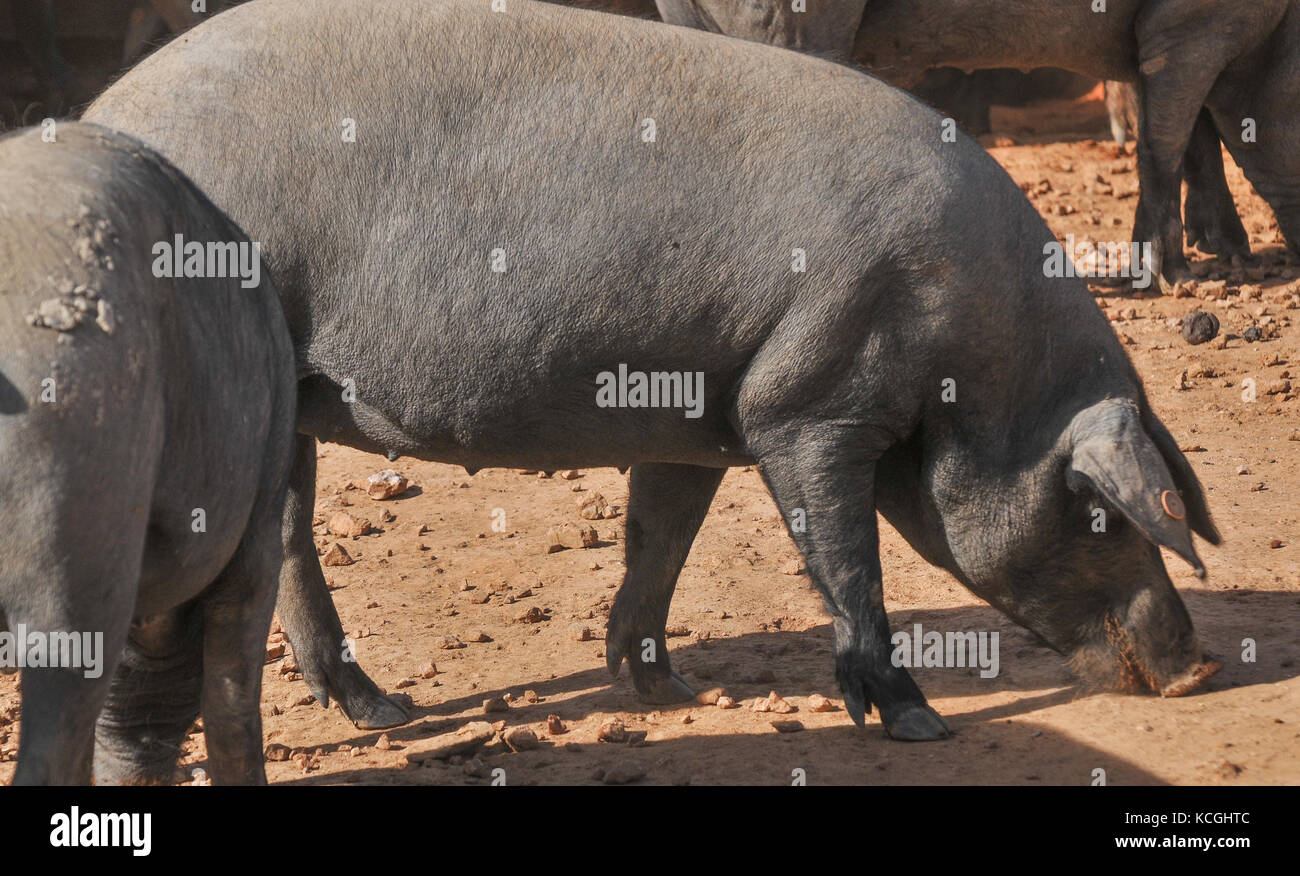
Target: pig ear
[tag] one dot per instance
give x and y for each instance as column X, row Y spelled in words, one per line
column 1112, row 453
column 1189, row 486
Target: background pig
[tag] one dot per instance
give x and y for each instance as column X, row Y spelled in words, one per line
column 1237, row 60
column 525, row 133
column 146, row 429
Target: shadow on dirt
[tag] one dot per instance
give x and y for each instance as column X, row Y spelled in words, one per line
column 798, row 663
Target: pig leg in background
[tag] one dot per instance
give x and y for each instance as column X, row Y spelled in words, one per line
column 153, row 700
column 307, row 611
column 1172, row 93
column 666, row 505
column 827, row 471
column 1212, row 223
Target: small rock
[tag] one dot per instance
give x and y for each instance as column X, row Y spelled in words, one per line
column 404, row 682
column 612, row 730
column 594, row 507
column 533, row 615
column 554, row 725
column 383, row 743
column 819, row 703
column 386, row 484
column 495, row 704
column 520, row 739
column 428, row 670
column 787, row 726
column 530, row 696
column 1252, row 334
column 276, row 752
column 725, row 702
column 773, row 703
column 449, row 643
column 337, row 555
column 1199, row 327
column 711, row 696
column 579, row 633
column 345, row 525
column 475, row 636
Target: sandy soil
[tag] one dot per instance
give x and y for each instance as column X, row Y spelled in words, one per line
column 745, row 620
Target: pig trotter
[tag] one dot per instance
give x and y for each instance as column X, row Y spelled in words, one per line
column 915, row 723
column 327, row 661
column 666, row 505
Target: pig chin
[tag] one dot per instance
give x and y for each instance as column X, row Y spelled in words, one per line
column 1121, row 662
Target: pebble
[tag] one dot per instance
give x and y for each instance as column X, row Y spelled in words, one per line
column 345, row 525
column 495, row 704
column 1199, row 327
column 612, row 730
column 337, row 555
column 386, row 484
column 711, row 696
column 554, row 725
column 819, row 703
column 520, row 739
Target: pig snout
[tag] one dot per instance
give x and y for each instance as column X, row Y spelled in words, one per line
column 1148, row 645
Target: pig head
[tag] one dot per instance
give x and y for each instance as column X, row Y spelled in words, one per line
column 1065, row 538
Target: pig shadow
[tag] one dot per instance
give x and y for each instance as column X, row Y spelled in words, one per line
column 797, row 663
column 11, row 400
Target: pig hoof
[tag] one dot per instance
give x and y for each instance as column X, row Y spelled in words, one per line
column 665, row 689
column 373, row 712
column 916, row 724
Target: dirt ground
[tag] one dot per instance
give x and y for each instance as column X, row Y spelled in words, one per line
column 745, row 619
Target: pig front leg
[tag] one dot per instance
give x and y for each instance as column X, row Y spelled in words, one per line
column 822, row 477
column 307, row 611
column 666, row 505
column 1213, row 225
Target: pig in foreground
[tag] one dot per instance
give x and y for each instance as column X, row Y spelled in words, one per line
column 465, row 276
column 1205, row 69
column 146, row 434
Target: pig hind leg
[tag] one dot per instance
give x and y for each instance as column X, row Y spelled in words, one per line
column 1212, row 223
column 822, row 477
column 237, row 613
column 153, row 700
column 308, row 613
column 83, row 584
column 666, row 505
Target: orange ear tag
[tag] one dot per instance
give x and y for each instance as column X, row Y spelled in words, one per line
column 1173, row 504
